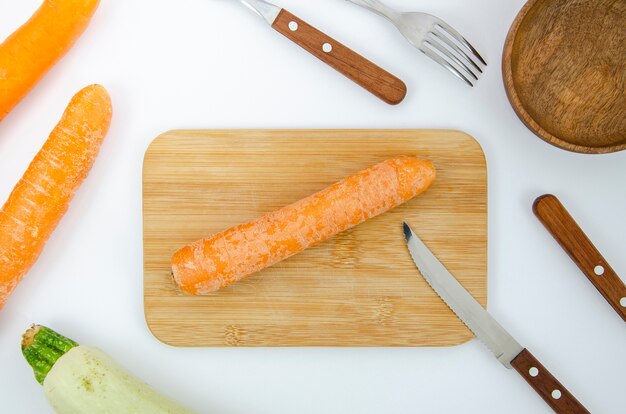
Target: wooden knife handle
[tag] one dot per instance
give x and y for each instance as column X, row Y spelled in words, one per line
column 546, row 385
column 370, row 76
column 570, row 236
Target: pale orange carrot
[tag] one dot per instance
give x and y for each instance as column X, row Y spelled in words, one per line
column 27, row 54
column 225, row 258
column 42, row 196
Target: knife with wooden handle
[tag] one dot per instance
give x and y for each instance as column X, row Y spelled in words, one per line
column 354, row 66
column 575, row 242
column 508, row 351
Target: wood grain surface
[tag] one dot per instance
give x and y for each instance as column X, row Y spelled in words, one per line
column 359, row 288
column 577, row 245
column 343, row 59
column 564, row 68
column 546, row 385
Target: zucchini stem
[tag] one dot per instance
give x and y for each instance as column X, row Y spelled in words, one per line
column 42, row 347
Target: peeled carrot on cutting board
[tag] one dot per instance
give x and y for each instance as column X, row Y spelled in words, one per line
column 42, row 196
column 27, row 54
column 225, row 258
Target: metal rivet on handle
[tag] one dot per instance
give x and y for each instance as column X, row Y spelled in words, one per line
column 599, row 270
column 533, row 372
column 293, row 26
column 556, row 394
column 622, row 302
column 327, row 47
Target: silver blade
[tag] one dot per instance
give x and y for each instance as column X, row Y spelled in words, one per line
column 264, row 9
column 484, row 326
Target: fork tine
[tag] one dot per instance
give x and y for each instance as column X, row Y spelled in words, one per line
column 434, row 56
column 445, row 39
column 447, row 28
column 447, row 54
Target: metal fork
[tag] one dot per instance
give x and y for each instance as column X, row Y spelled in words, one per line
column 435, row 38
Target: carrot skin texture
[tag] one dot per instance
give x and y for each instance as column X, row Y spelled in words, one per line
column 42, row 196
column 225, row 258
column 28, row 53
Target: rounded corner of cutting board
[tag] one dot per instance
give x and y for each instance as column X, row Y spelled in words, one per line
column 474, row 141
column 151, row 326
column 166, row 135
column 162, row 137
column 153, row 144
column 164, row 336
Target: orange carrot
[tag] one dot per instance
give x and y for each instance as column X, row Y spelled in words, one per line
column 42, row 196
column 34, row 48
column 225, row 258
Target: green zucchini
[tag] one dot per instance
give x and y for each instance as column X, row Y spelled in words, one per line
column 79, row 379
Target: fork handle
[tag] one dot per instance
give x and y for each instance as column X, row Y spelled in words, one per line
column 377, row 7
column 362, row 71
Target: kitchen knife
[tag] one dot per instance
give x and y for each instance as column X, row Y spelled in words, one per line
column 365, row 73
column 508, row 351
column 571, row 237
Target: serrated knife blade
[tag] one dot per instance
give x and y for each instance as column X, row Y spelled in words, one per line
column 506, row 349
column 462, row 303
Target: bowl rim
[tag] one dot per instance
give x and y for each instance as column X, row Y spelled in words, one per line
column 518, row 106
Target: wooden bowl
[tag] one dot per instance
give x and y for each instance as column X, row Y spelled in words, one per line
column 564, row 69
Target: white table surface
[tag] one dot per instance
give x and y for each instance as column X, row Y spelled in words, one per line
column 213, row 64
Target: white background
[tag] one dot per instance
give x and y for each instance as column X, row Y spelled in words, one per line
column 213, row 64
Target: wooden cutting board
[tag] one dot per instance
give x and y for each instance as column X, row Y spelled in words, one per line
column 357, row 289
